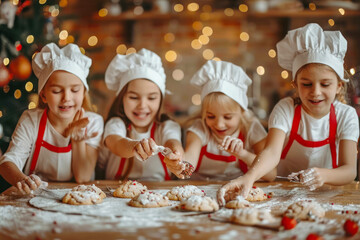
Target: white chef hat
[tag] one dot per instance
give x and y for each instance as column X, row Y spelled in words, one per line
column 310, row 44
column 225, row 77
column 143, row 64
column 51, row 58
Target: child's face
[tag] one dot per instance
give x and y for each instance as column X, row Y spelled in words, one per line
column 317, row 86
column 221, row 121
column 141, row 103
column 64, row 94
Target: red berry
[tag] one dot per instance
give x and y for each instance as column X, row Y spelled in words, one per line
column 351, row 227
column 254, row 187
column 288, row 223
column 313, row 236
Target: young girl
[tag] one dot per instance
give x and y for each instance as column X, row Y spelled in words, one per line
column 58, row 141
column 134, row 127
column 315, row 137
column 223, row 141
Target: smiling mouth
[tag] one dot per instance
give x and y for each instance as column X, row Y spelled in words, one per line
column 316, row 101
column 141, row 115
column 65, row 107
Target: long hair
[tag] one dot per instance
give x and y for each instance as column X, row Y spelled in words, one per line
column 223, row 101
column 341, row 96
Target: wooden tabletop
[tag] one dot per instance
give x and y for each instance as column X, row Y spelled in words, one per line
column 340, row 203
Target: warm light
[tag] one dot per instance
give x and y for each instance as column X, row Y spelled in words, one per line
column 82, row 50
column 103, row 12
column 55, row 12
column 63, row 34
column 195, row 44
column 121, row 49
column 216, row 59
column 352, row 71
column 197, row 26
column 208, row 54
column 32, row 105
column 243, row 8
column 207, row 31
column 17, row 94
column 30, row 39
column 204, row 16
column 170, row 56
column 331, row 22
column 138, row 10
column 15, row 2
column 63, row 3
column 204, row 39
column 178, row 7
column 130, row 51
column 70, row 39
column 42, row 1
column 178, row 74
column 1, row 113
column 272, row 53
column 244, row 36
column 229, row 12
column 169, row 37
column 6, row 88
column 29, row 86
column 193, row 7
column 284, row 74
column 6, row 61
column 260, row 70
column 196, row 99
column 312, row 6
column 92, row 41
column 207, row 8
column 342, row 11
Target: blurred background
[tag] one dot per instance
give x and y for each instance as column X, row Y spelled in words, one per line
column 185, row 34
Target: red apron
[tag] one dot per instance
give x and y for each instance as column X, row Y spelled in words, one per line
column 123, row 160
column 313, row 144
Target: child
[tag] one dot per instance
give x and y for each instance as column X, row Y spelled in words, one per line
column 317, row 135
column 223, row 141
column 134, row 128
column 58, row 141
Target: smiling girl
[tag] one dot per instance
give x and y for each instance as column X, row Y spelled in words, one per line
column 314, row 136
column 59, row 140
column 135, row 125
column 225, row 139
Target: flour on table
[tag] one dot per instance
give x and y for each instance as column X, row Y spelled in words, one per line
column 182, row 192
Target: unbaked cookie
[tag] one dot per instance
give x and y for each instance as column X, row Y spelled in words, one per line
column 182, row 192
column 257, row 194
column 149, row 199
column 199, row 203
column 129, row 189
column 84, row 195
column 239, row 202
column 252, row 216
column 305, row 210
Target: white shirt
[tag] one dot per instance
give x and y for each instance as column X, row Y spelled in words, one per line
column 210, row 169
column 22, row 145
column 312, row 129
column 148, row 170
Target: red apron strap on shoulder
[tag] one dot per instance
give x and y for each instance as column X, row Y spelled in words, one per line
column 332, row 136
column 294, row 130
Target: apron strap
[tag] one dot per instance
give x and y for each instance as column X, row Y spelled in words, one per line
column 332, row 136
column 294, row 130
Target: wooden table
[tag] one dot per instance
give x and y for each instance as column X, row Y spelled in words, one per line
column 340, row 204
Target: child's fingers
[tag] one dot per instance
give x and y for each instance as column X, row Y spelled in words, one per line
column 152, row 144
column 36, row 179
column 226, row 142
column 239, row 145
column 146, row 146
column 31, row 183
column 20, row 187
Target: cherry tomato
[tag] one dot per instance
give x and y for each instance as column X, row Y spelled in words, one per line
column 288, row 223
column 351, row 227
column 313, row 236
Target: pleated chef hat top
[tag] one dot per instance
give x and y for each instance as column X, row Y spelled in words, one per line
column 225, row 77
column 310, row 44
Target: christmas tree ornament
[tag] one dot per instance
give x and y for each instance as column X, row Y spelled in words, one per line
column 7, row 13
column 20, row 67
column 5, row 76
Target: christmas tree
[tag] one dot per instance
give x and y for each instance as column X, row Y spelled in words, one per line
column 25, row 27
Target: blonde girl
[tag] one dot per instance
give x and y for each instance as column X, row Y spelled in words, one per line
column 314, row 140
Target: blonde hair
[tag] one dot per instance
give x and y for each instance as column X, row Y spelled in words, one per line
column 117, row 108
column 341, row 96
column 86, row 102
column 223, row 101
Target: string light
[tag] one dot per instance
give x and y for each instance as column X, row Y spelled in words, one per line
column 229, row 12
column 284, row 74
column 272, row 53
column 63, row 35
column 207, row 31
column 312, row 6
column 197, row 25
column 121, row 49
column 244, row 36
column 170, row 56
column 331, row 22
column 196, row 44
column 243, row 8
column 169, row 37
column 260, row 70
column 178, row 74
column 196, row 99
column 17, row 94
column 208, row 54
column 342, row 11
column 92, row 41
column 29, row 86
column 193, row 7
column 352, row 71
column 6, row 61
column 103, row 12
column 130, row 51
column 203, row 39
column 178, row 7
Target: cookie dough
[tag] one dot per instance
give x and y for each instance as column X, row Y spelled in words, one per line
column 149, row 199
column 239, row 202
column 199, row 203
column 129, row 189
column 182, row 192
column 252, row 216
column 305, row 210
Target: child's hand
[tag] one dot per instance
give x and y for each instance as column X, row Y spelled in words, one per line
column 29, row 183
column 311, row 178
column 236, row 187
column 233, row 146
column 174, row 164
column 77, row 128
column 145, row 148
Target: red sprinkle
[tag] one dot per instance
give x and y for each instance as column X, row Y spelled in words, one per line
column 269, row 196
column 347, row 211
column 55, row 222
column 33, row 214
column 134, row 183
column 254, row 187
column 355, row 212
